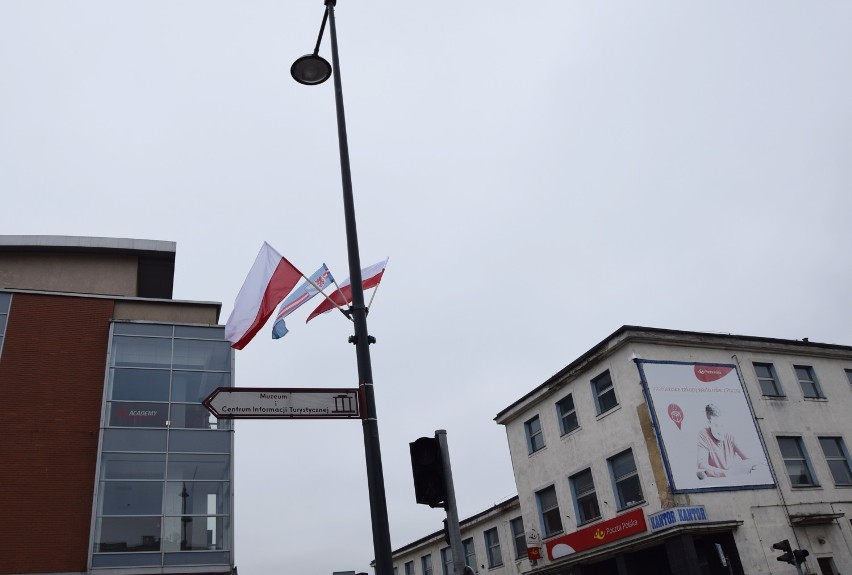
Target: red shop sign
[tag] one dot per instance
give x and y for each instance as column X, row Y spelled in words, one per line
column 599, row 534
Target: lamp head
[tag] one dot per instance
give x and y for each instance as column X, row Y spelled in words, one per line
column 310, row 70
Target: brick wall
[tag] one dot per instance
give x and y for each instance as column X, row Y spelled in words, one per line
column 51, row 385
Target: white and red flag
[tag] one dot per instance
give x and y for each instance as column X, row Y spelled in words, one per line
column 269, row 281
column 370, row 277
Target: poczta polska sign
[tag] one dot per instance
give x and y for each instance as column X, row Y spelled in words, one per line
column 283, row 403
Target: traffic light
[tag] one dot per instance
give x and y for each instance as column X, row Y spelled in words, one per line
column 427, row 466
column 787, row 556
column 799, row 555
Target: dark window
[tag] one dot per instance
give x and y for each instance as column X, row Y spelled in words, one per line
column 548, row 508
column 604, row 393
column 447, row 561
column 426, row 564
column 567, row 414
column 585, row 498
column 768, row 379
column 469, row 553
column 409, row 568
column 519, row 537
column 625, row 478
column 808, row 381
column 796, row 461
column 837, row 458
column 492, row 548
column 535, row 438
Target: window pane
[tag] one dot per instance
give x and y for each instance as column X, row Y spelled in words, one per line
column 126, row 559
column 197, row 497
column 131, row 497
column 133, row 466
column 587, row 506
column 519, row 536
column 630, row 491
column 5, row 298
column 583, row 482
column 200, row 441
column 607, row 401
column 3, row 323
column 195, row 533
column 840, row 471
column 798, row 472
column 137, row 414
column 194, row 466
column 623, row 464
column 140, row 384
column 190, row 416
column 790, row 447
column 134, row 440
column 141, row 352
column 195, row 386
column 831, row 447
column 206, row 355
column 122, row 534
column 198, row 558
column 142, row 329
column 200, row 332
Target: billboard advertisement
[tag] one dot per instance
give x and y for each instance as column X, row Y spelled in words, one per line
column 705, row 426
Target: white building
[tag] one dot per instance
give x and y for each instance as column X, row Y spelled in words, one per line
column 623, row 465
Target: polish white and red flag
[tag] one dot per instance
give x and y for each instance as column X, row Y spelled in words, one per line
column 370, row 278
column 269, row 281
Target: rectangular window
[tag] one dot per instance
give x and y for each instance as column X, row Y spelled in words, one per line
column 469, row 553
column 808, row 381
column 837, row 458
column 849, row 375
column 585, row 498
column 409, row 568
column 625, row 479
column 519, row 537
column 492, row 548
column 796, row 461
column 426, row 564
column 447, row 561
column 567, row 414
column 604, row 393
column 535, row 438
column 548, row 510
column 768, row 380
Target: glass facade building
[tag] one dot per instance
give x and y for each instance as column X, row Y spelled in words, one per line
column 163, row 495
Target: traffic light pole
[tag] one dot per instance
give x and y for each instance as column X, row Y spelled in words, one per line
column 454, row 531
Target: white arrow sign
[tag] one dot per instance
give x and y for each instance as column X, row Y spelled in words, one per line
column 283, row 403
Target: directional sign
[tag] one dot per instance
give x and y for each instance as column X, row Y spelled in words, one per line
column 283, row 403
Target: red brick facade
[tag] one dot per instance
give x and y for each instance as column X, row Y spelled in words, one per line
column 51, row 376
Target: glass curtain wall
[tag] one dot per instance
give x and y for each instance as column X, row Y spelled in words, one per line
column 164, row 469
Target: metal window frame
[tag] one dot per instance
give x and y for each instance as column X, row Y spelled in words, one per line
column 424, row 559
column 773, row 378
column 844, row 456
column 616, row 481
column 577, row 496
column 530, row 436
column 518, row 536
column 542, row 511
column 564, row 414
column 491, row 545
column 811, row 372
column 597, row 392
column 800, row 442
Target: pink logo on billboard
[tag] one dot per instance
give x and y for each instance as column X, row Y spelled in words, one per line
column 676, row 414
column 708, row 373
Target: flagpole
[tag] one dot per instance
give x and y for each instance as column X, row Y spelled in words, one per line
column 372, row 450
column 319, row 289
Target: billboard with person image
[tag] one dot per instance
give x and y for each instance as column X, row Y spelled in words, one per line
column 705, row 426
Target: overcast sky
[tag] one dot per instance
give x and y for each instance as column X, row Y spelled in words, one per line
column 539, row 173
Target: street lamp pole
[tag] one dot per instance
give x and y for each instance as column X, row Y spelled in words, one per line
column 312, row 69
